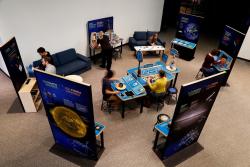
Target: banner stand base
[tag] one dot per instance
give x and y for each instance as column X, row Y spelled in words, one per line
column 180, row 156
column 74, row 157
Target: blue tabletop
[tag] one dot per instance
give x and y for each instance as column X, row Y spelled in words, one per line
column 100, row 128
column 150, row 71
column 132, row 85
column 183, row 43
column 163, row 128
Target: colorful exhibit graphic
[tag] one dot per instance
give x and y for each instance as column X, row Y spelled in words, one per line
column 193, row 107
column 231, row 42
column 95, row 26
column 188, row 27
column 69, row 110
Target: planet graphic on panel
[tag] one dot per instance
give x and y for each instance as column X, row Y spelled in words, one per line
column 191, row 31
column 69, row 122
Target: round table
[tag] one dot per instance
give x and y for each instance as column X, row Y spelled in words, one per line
column 77, row 78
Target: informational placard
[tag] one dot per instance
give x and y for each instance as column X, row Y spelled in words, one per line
column 231, row 42
column 103, row 24
column 69, row 109
column 193, row 107
column 14, row 63
column 188, row 27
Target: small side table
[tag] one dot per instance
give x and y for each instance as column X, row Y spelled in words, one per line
column 77, row 78
column 99, row 132
column 163, row 129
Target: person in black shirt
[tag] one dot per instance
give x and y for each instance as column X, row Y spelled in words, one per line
column 107, row 50
column 208, row 63
column 107, row 92
column 43, row 53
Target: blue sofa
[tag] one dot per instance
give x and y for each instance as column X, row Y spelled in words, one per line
column 68, row 62
column 140, row 38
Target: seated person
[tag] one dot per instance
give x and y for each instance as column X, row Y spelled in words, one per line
column 208, row 63
column 159, row 86
column 107, row 92
column 152, row 41
column 43, row 53
column 48, row 67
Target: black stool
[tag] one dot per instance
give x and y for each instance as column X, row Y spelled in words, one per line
column 106, row 105
column 172, row 91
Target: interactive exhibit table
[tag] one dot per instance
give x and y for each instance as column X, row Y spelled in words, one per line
column 131, row 89
column 152, row 72
column 171, row 70
column 186, row 49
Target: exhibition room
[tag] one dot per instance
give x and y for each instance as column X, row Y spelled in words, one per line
column 124, row 83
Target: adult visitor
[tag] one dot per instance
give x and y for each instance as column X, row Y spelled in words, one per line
column 210, row 60
column 43, row 53
column 107, row 50
column 48, row 67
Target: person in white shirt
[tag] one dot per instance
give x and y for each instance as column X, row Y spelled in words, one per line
column 48, row 67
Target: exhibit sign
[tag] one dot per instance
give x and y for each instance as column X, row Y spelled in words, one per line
column 14, row 63
column 188, row 27
column 231, row 42
column 95, row 26
column 69, row 109
column 193, row 107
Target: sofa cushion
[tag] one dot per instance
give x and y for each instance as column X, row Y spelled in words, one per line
column 150, row 33
column 66, row 56
column 141, row 43
column 140, row 35
column 71, row 67
column 55, row 60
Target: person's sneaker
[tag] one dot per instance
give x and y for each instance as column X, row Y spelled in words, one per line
column 102, row 66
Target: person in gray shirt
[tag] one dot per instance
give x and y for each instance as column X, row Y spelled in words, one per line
column 48, row 67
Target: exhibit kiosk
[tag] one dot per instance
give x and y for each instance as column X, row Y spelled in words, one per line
column 26, row 88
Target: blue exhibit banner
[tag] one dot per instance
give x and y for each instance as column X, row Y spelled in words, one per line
column 188, row 27
column 69, row 109
column 231, row 42
column 103, row 24
column 193, row 107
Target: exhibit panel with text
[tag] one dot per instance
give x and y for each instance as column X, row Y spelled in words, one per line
column 193, row 107
column 69, row 110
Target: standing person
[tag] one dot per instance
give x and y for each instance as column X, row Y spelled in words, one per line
column 107, row 50
column 43, row 53
column 48, row 67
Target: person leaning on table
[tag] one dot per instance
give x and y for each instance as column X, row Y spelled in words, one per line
column 207, row 66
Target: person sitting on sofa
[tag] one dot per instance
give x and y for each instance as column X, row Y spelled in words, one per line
column 48, row 67
column 43, row 53
column 152, row 41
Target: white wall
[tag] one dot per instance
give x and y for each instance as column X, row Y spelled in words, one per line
column 2, row 63
column 61, row 24
column 245, row 48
